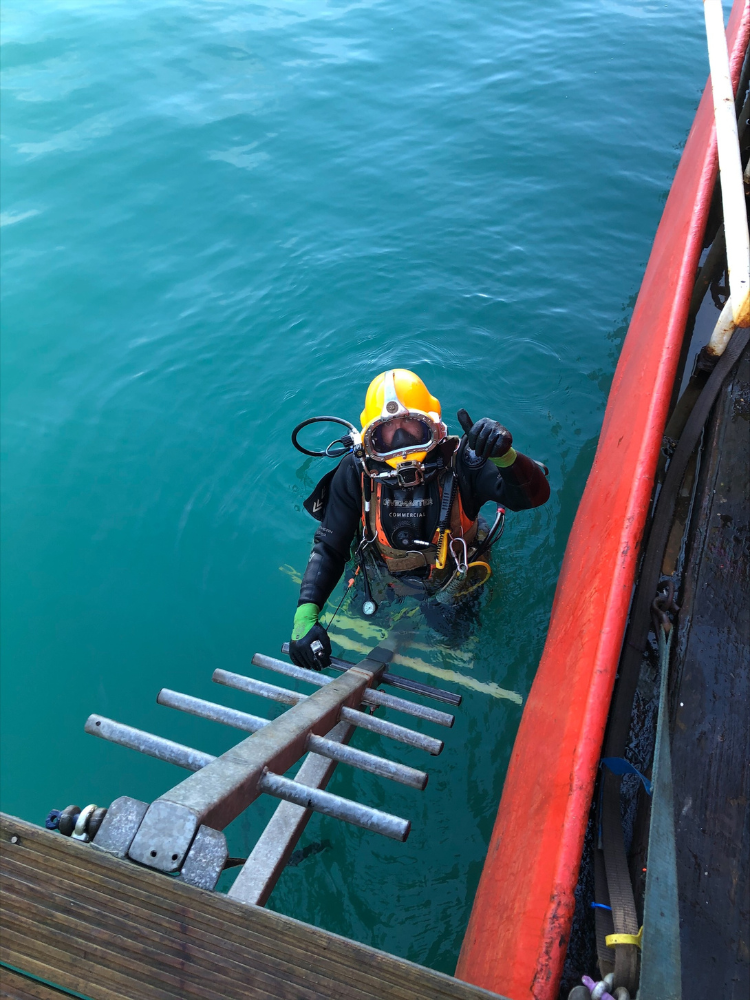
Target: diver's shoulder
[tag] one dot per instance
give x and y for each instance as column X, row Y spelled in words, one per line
column 349, row 471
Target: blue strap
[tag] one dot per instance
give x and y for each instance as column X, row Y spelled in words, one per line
column 618, row 765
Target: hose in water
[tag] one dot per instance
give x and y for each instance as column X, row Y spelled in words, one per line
column 346, row 441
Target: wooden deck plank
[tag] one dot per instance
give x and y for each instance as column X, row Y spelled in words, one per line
column 15, row 987
column 711, row 743
column 169, row 930
column 113, row 931
column 80, row 873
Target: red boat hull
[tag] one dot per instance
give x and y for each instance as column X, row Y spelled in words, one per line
column 518, row 932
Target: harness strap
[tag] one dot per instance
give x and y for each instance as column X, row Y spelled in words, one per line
column 452, row 518
column 366, row 498
column 444, row 522
column 446, row 502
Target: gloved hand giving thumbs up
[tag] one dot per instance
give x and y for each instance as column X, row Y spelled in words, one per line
column 486, row 438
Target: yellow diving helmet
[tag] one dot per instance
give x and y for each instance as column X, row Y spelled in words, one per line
column 401, row 420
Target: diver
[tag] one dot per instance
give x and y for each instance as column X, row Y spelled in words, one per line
column 406, row 496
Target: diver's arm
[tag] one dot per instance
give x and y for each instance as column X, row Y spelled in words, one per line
column 489, row 468
column 519, row 486
column 333, row 539
column 310, row 646
column 323, row 572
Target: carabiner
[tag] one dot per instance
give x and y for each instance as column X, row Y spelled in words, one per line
column 461, row 566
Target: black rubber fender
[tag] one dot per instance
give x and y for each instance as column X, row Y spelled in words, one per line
column 67, row 821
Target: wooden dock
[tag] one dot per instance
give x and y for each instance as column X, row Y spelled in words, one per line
column 17, row 987
column 105, row 929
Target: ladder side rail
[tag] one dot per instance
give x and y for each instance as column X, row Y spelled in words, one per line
column 219, row 792
column 269, row 857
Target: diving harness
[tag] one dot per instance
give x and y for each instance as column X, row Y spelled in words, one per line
column 467, row 576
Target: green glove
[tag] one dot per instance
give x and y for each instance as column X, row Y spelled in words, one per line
column 310, row 646
column 305, row 617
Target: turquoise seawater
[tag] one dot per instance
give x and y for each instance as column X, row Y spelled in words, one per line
column 220, row 217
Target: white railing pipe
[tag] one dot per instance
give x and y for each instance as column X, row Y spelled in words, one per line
column 725, row 327
column 730, row 166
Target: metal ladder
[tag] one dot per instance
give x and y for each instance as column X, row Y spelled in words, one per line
column 180, row 833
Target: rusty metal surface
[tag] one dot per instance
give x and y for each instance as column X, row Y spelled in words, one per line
column 710, row 698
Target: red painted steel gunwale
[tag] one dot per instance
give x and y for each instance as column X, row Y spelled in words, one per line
column 520, row 923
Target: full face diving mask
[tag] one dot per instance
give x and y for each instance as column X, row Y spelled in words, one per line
column 401, row 435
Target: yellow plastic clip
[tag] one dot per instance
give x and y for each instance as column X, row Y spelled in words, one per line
column 442, row 549
column 614, row 939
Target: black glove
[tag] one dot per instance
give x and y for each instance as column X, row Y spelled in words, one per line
column 302, row 653
column 486, row 438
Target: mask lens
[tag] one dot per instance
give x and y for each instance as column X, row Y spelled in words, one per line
column 400, row 434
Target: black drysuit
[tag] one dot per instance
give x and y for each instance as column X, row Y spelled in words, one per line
column 519, row 487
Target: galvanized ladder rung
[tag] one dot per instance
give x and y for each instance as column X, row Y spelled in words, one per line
column 181, row 831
